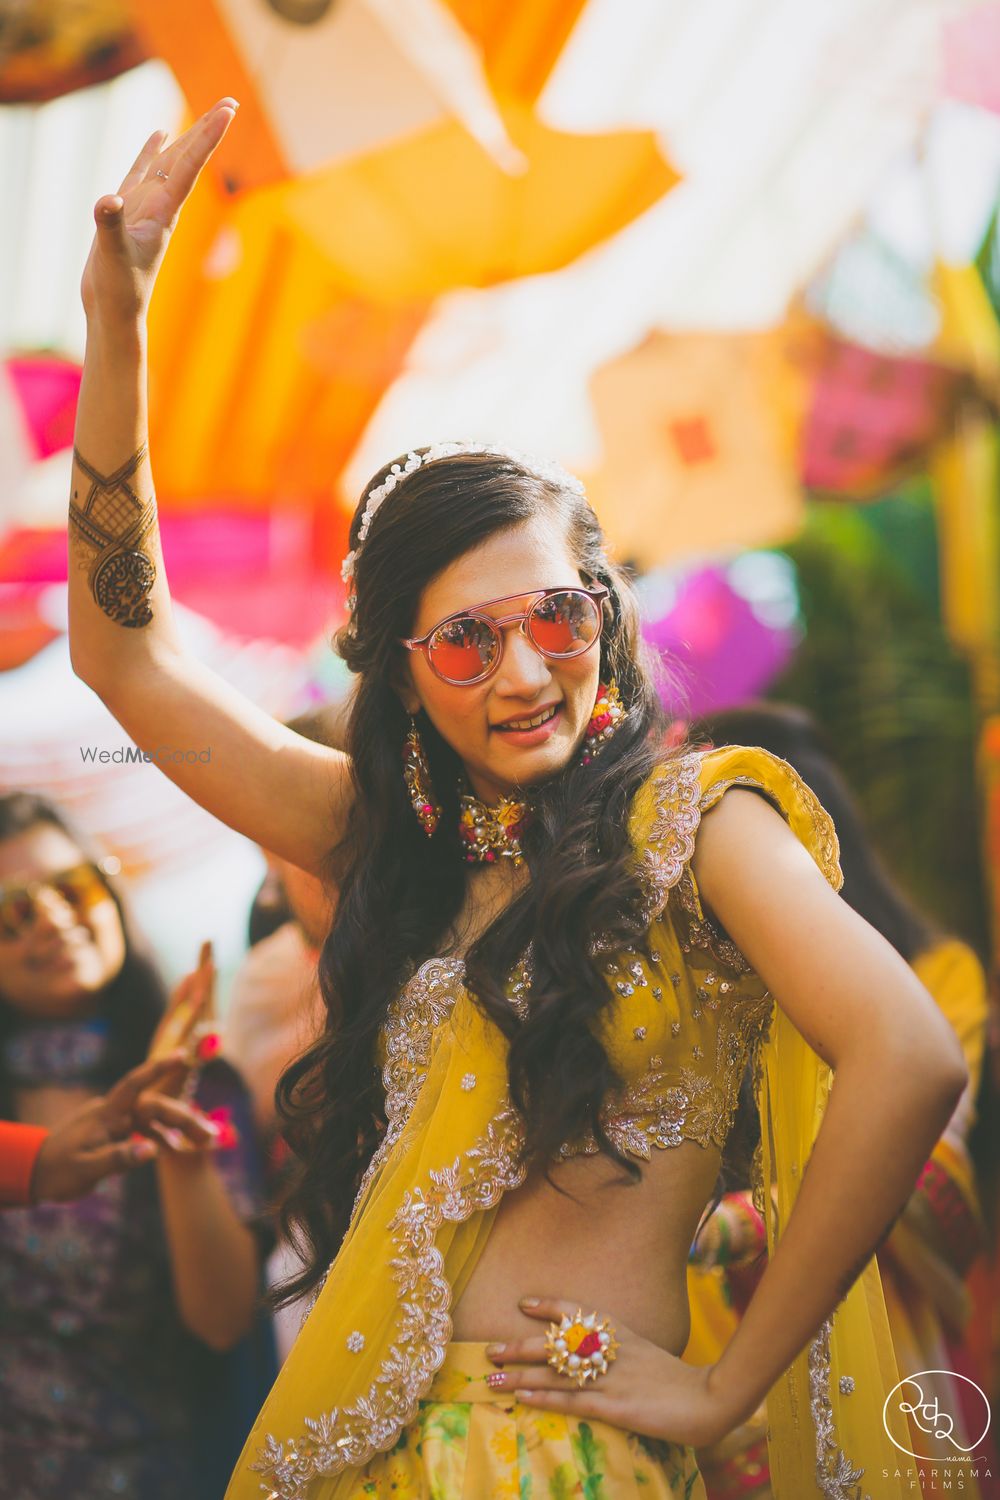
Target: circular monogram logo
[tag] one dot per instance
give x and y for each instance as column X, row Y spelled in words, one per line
column 924, row 1401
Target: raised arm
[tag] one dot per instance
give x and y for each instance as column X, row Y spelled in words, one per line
column 279, row 789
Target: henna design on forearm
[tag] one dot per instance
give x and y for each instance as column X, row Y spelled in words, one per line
column 112, row 522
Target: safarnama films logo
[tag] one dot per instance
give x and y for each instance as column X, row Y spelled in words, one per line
column 932, row 1425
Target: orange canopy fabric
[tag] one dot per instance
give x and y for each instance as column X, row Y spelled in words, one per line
column 283, row 314
column 323, row 83
column 433, row 212
column 520, row 39
column 285, row 311
column 263, row 372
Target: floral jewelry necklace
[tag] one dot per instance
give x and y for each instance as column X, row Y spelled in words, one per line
column 491, row 833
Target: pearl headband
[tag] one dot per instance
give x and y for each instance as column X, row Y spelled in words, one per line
column 543, row 468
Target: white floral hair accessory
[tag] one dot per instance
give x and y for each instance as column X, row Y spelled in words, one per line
column 544, row 468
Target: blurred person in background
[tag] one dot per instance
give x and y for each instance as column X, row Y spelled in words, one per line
column 940, row 1232
column 276, row 1009
column 114, row 1307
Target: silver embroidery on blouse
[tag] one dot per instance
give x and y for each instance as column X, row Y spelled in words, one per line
column 426, row 1000
column 670, row 841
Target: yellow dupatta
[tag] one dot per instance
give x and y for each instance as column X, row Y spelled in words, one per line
column 379, row 1328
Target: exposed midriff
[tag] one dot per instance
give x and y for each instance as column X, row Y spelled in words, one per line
column 602, row 1242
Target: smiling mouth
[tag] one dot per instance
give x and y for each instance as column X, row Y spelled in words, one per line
column 62, row 953
column 533, row 723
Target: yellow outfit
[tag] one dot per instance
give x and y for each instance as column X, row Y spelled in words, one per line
column 468, row 1442
column 686, row 1013
column 927, row 1302
column 925, row 1263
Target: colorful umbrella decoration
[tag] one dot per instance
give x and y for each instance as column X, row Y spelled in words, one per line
column 520, row 40
column 46, row 388
column 252, row 574
column 262, row 371
column 717, row 649
column 872, row 417
column 282, row 316
column 699, row 436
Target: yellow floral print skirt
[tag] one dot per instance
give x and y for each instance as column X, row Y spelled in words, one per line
column 469, row 1442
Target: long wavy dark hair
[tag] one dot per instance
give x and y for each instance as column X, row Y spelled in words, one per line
column 132, row 1002
column 400, row 892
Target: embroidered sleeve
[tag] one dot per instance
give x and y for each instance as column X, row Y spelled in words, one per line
column 756, row 770
column 781, row 784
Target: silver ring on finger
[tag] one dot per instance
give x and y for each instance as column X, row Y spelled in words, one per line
column 582, row 1347
column 164, row 175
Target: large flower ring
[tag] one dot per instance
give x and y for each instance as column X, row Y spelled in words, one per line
column 581, row 1348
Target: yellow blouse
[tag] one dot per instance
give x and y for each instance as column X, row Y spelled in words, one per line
column 687, row 1014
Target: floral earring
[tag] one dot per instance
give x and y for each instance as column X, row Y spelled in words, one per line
column 608, row 714
column 417, row 775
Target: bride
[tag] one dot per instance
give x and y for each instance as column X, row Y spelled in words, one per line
column 557, row 945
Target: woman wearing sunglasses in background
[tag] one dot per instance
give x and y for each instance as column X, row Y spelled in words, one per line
column 109, row 1304
column 555, row 947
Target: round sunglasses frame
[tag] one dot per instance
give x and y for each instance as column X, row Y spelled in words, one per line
column 84, row 894
column 496, row 623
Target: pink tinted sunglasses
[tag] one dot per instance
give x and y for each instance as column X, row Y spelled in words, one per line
column 467, row 647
